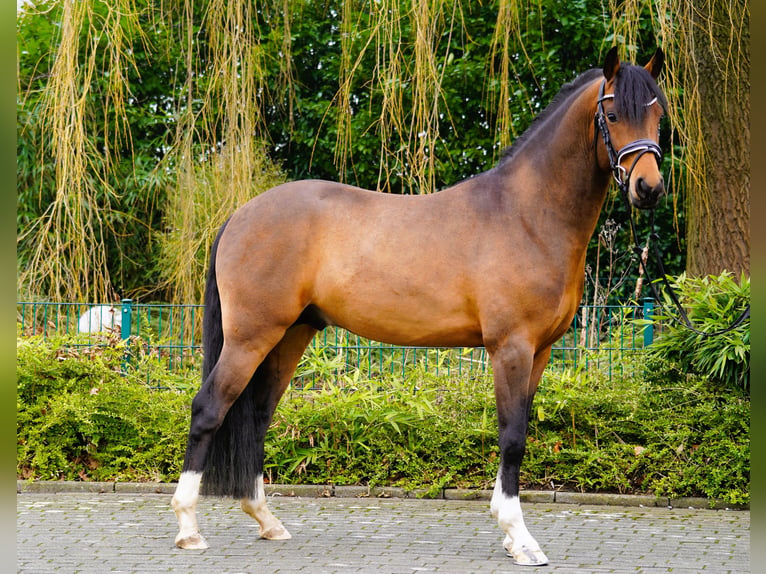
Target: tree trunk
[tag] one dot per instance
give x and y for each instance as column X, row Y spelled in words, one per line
column 718, row 222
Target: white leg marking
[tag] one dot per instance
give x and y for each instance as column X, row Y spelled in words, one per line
column 271, row 528
column 518, row 541
column 185, row 506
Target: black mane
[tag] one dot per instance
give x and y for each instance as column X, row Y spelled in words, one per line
column 634, row 88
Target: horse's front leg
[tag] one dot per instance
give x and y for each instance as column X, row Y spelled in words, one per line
column 517, row 372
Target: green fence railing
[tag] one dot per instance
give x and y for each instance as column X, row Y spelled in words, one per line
column 599, row 337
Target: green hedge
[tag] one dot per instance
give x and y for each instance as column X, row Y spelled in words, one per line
column 80, row 417
column 712, row 303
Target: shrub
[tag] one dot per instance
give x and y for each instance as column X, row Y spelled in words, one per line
column 712, row 303
column 79, row 417
column 386, row 433
column 82, row 415
column 697, row 437
column 668, row 433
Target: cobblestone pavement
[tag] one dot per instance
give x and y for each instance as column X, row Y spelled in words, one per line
column 98, row 533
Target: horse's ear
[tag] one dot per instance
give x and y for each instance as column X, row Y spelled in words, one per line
column 611, row 63
column 654, row 66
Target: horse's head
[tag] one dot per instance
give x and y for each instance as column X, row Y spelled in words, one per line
column 630, row 107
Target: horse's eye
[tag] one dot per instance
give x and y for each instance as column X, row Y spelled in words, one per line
column 612, row 117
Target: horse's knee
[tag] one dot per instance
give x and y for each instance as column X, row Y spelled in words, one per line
column 512, row 445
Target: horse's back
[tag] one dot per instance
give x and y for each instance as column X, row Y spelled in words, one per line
column 368, row 261
column 342, row 219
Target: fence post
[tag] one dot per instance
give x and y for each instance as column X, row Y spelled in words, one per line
column 648, row 329
column 125, row 328
column 127, row 312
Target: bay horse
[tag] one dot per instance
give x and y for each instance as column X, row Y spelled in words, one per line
column 496, row 260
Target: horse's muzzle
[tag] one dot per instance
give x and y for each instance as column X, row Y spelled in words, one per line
column 646, row 195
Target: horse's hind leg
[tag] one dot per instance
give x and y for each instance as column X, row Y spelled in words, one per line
column 184, row 504
column 270, row 526
column 218, row 393
column 273, row 377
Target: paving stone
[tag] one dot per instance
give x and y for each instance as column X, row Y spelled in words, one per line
column 91, row 532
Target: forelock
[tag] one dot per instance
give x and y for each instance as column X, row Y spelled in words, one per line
column 634, row 89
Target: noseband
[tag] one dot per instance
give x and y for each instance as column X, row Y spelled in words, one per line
column 620, row 174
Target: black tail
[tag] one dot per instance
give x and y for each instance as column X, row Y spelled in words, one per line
column 235, row 457
column 212, row 330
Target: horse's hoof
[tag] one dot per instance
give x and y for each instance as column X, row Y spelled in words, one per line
column 277, row 532
column 193, row 542
column 526, row 556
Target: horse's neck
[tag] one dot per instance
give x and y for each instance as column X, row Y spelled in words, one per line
column 556, row 181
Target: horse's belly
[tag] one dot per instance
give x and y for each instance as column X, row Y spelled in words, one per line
column 414, row 333
column 391, row 313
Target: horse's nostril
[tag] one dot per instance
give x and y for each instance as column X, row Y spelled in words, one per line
column 647, row 191
column 642, row 188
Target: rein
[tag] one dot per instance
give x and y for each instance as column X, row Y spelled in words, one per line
column 622, row 177
column 684, row 317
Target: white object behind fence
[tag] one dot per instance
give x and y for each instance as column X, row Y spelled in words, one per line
column 102, row 318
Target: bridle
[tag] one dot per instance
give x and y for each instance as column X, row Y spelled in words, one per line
column 642, row 146
column 622, row 177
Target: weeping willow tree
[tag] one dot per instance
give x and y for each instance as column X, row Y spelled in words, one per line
column 717, row 107
column 408, row 75
column 225, row 128
column 67, row 258
column 211, row 159
column 401, row 96
column 707, row 77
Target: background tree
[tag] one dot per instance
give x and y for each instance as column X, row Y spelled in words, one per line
column 62, row 244
column 717, row 85
column 707, row 77
column 186, row 110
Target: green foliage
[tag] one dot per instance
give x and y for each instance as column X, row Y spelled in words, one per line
column 712, row 303
column 559, row 39
column 337, row 87
column 710, row 454
column 124, row 142
column 386, row 433
column 667, row 433
column 80, row 418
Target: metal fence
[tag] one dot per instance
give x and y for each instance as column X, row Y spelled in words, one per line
column 600, row 337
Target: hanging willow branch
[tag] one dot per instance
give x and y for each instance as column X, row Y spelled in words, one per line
column 68, row 249
column 219, row 158
column 507, row 42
